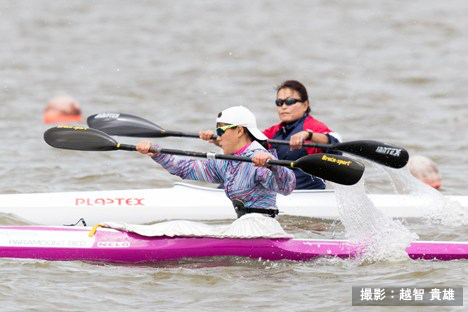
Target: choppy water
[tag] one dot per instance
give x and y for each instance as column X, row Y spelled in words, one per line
column 393, row 71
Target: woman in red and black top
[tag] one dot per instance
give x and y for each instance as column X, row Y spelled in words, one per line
column 298, row 126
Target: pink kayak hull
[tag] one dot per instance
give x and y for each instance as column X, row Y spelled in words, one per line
column 69, row 244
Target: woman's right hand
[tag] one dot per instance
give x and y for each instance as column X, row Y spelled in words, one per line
column 207, row 135
column 145, row 146
column 297, row 139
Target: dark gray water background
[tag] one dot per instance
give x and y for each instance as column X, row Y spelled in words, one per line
column 393, row 71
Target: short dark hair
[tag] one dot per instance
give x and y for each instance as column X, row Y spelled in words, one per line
column 296, row 86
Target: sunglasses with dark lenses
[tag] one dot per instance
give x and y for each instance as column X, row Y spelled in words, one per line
column 220, row 130
column 288, row 101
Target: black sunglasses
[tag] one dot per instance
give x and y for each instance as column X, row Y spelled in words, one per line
column 288, row 101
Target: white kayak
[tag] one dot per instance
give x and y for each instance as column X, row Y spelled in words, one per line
column 185, row 201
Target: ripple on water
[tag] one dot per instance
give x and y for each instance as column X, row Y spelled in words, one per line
column 373, row 71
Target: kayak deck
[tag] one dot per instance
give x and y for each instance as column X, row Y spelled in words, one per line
column 69, row 244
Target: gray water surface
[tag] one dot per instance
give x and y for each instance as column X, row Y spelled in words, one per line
column 393, row 71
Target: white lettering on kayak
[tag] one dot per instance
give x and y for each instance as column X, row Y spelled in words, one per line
column 109, row 202
column 107, row 115
column 46, row 243
column 36, row 242
column 113, row 244
column 388, row 151
column 50, row 239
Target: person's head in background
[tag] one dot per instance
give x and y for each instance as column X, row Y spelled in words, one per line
column 425, row 170
column 62, row 109
column 292, row 101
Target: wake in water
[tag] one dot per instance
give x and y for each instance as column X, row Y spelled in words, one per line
column 437, row 208
column 384, row 239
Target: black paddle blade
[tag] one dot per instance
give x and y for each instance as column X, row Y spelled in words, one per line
column 335, row 168
column 125, row 125
column 382, row 153
column 80, row 139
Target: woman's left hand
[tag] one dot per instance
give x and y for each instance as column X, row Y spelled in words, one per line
column 260, row 159
column 296, row 140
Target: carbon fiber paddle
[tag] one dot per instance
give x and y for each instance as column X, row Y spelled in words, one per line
column 335, row 168
column 133, row 126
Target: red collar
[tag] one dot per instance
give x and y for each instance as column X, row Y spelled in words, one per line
column 242, row 149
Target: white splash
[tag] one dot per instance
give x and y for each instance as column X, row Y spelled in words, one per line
column 437, row 208
column 384, row 239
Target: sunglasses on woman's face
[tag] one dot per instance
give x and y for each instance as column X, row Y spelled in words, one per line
column 288, row 101
column 221, row 130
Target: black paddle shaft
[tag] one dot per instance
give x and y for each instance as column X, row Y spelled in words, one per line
column 379, row 152
column 329, row 167
column 129, row 125
column 334, row 168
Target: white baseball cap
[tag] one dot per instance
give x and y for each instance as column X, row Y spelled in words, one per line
column 241, row 116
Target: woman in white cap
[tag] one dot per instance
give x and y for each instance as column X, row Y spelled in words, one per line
column 251, row 187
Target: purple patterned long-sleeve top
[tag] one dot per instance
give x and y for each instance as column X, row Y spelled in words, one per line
column 255, row 186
